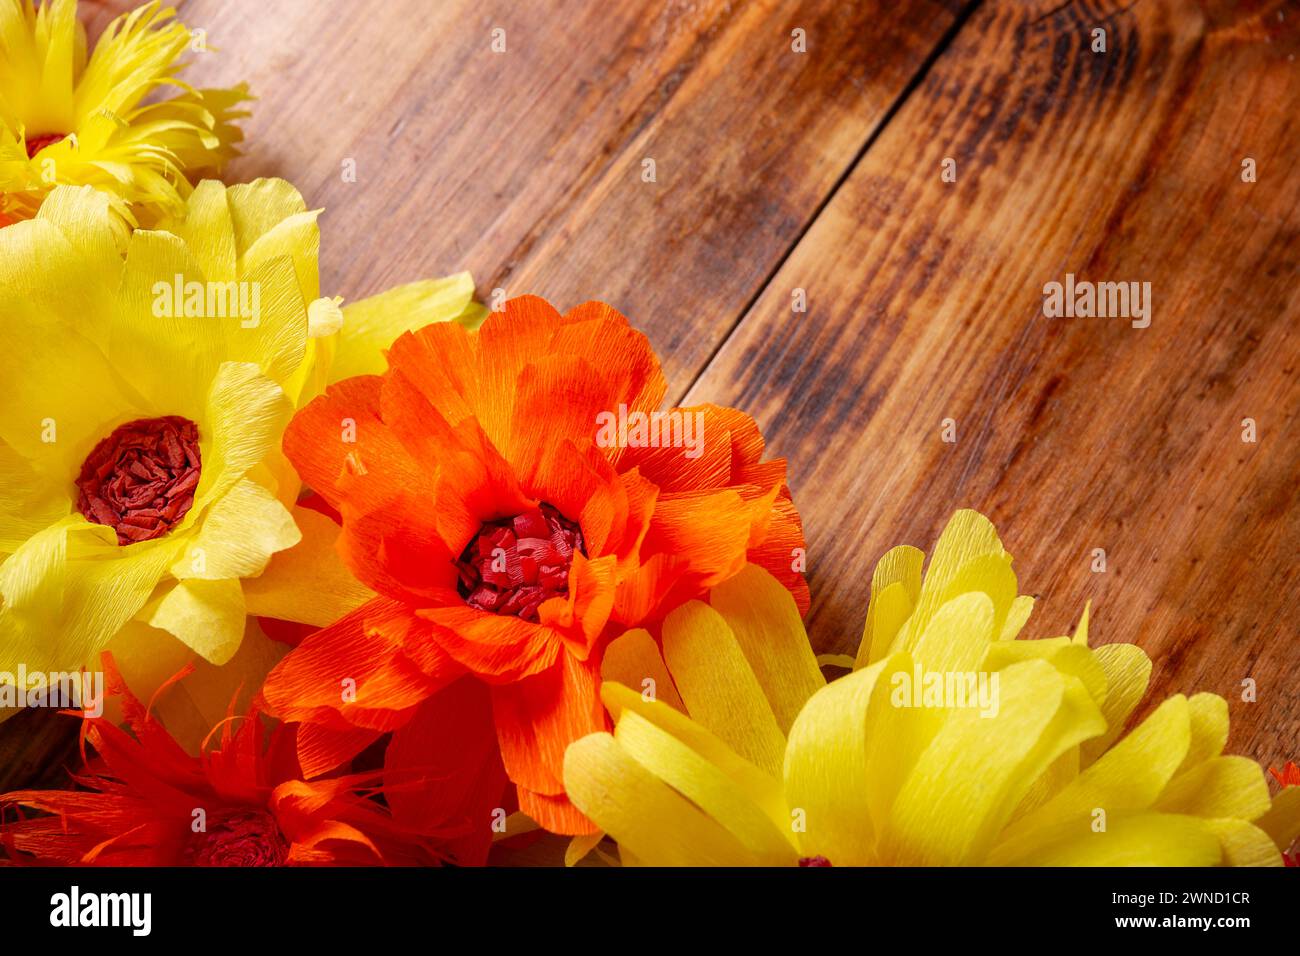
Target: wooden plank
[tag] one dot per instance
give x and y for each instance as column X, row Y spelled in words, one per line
column 926, row 303
column 526, row 166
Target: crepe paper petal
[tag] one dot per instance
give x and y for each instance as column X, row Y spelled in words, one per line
column 827, row 770
column 1130, row 776
column 958, row 636
column 581, row 846
column 1282, row 821
column 836, row 660
column 1140, row 839
column 206, row 615
column 247, row 412
column 238, row 536
column 758, row 787
column 709, row 788
column 1063, row 654
column 370, row 325
column 308, row 582
column 718, row 685
column 967, row 536
column 1128, row 671
column 442, row 771
column 1017, row 617
column 888, row 613
column 766, row 623
column 1218, row 787
column 969, row 780
column 322, row 749
column 536, row 718
column 633, row 659
column 67, row 590
column 556, row 812
column 1208, row 715
column 1244, row 844
column 647, row 817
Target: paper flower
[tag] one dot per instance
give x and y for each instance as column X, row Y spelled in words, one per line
column 145, row 397
column 955, row 745
column 143, row 801
column 505, row 494
column 67, row 118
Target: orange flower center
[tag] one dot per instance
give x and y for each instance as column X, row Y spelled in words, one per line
column 140, row 480
column 239, row 838
column 38, row 143
column 514, row 564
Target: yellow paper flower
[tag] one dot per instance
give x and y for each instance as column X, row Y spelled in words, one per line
column 953, row 743
column 148, row 378
column 69, row 118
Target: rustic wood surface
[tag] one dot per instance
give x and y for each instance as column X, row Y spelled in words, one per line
column 779, row 171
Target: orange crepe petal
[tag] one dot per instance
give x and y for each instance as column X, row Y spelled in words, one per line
column 537, row 718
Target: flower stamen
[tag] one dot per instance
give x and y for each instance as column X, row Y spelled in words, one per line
column 38, row 143
column 514, row 564
column 140, row 480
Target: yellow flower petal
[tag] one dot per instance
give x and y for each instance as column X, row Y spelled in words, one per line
column 1218, row 787
column 206, row 615
column 1282, row 821
column 1128, row 669
column 719, row 687
column 371, row 325
column 1140, row 839
column 709, row 788
column 895, row 586
column 633, row 658
column 238, row 535
column 245, row 416
column 650, row 820
column 978, row 768
column 765, row 622
column 307, row 583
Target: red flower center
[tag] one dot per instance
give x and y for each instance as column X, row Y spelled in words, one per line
column 814, row 861
column 239, row 838
column 140, row 480
column 38, row 143
column 514, row 564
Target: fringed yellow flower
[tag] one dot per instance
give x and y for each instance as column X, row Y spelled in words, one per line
column 148, row 378
column 952, row 743
column 66, row 117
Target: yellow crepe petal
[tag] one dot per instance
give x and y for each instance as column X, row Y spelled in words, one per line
column 1129, row 776
column 958, row 636
column 967, row 536
column 828, row 769
column 895, row 585
column 309, row 582
column 631, row 659
column 706, row 786
column 650, row 820
column 69, row 589
column 246, row 415
column 1209, row 729
column 1244, row 844
column 1282, row 821
column 1218, row 787
column 1128, row 669
column 1017, row 617
column 206, row 615
column 1141, row 839
column 762, row 789
column 238, row 535
column 977, row 769
column 371, row 325
column 719, row 687
column 765, row 621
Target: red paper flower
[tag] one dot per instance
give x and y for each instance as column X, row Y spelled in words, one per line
column 515, row 497
column 143, row 801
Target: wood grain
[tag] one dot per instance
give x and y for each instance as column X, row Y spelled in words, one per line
column 926, row 303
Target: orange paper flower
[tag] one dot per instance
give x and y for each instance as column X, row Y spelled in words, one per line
column 145, row 802
column 515, row 496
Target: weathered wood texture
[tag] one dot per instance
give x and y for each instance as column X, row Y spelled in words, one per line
column 926, row 303
column 821, row 171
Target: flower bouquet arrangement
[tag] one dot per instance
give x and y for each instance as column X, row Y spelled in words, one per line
column 409, row 581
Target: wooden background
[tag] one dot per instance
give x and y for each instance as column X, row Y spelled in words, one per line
column 821, row 171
